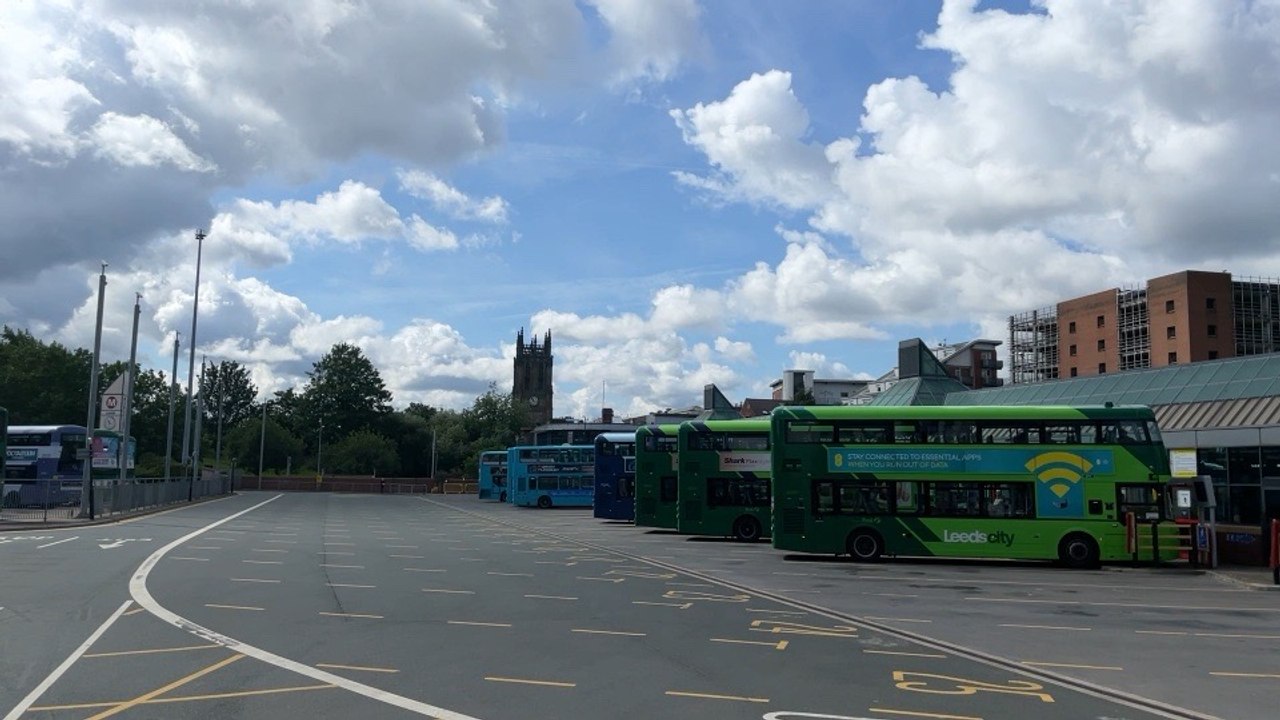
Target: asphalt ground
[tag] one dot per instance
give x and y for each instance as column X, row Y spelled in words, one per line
column 327, row 605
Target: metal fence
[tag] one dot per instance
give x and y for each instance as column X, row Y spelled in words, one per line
column 341, row 484
column 48, row 502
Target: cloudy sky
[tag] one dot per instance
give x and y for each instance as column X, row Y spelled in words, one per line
column 682, row 191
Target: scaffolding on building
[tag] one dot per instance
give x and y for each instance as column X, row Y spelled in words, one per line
column 1033, row 346
column 1256, row 313
column 1133, row 328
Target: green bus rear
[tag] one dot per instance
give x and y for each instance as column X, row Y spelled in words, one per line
column 986, row 482
column 656, row 489
column 724, row 482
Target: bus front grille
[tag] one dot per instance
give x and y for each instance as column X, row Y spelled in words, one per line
column 793, row 521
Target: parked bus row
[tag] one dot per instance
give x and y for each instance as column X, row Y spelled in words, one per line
column 1052, row 483
column 44, row 464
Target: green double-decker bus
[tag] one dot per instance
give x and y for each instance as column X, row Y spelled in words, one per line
column 723, row 486
column 656, row 476
column 1052, row 483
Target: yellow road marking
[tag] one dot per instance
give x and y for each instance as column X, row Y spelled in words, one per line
column 481, row 624
column 712, row 696
column 549, row 683
column 551, row 597
column 1246, row 675
column 116, row 709
column 506, row 574
column 905, row 654
column 347, row 585
column 913, row 620
column 257, row 580
column 779, row 645
column 135, row 611
column 450, row 592
column 351, row 567
column 1068, row 665
column 1045, row 627
column 682, row 606
column 232, row 607
column 353, row 615
column 601, row 579
column 357, row 667
column 608, row 632
column 152, row 651
column 914, row 713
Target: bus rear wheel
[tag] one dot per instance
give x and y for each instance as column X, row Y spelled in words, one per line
column 544, row 502
column 865, row 545
column 746, row 529
column 1078, row 551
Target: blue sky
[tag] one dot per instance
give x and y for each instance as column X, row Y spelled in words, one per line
column 683, row 192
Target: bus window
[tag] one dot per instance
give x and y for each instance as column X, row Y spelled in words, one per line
column 746, row 442
column 1010, row 434
column 824, row 499
column 1124, row 432
column 877, row 433
column 1153, row 431
column 807, row 432
column 955, row 499
column 955, row 432
column 1062, row 434
column 1014, row 500
column 907, row 498
column 906, row 433
column 862, row 499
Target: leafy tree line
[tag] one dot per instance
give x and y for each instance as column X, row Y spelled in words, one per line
column 342, row 416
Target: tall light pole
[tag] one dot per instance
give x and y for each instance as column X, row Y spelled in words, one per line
column 86, row 485
column 173, row 395
column 191, row 364
column 262, row 443
column 319, row 445
column 130, row 380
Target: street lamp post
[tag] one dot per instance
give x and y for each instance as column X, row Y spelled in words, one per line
column 191, row 363
column 86, row 491
column 262, row 443
column 319, row 446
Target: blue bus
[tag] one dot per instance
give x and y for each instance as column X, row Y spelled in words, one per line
column 616, row 476
column 493, row 475
column 42, row 465
column 551, row 475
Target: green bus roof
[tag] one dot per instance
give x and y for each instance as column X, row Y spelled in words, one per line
column 966, row 412
column 740, row 425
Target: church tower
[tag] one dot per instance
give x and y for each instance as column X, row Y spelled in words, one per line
column 531, row 383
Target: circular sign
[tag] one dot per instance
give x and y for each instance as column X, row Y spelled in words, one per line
column 109, row 422
column 113, row 401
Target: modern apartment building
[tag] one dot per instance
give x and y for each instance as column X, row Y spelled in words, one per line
column 1185, row 317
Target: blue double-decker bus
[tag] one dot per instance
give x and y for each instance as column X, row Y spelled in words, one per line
column 551, row 475
column 615, row 476
column 493, row 475
column 42, row 465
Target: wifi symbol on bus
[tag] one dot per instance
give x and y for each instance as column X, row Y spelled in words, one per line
column 1060, row 471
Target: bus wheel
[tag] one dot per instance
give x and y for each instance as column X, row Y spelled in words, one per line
column 544, row 502
column 1079, row 551
column 746, row 529
column 865, row 545
column 502, row 496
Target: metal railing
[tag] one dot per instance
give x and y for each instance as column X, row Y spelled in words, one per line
column 44, row 501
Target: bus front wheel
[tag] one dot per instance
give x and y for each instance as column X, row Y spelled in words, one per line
column 544, row 502
column 746, row 529
column 1079, row 551
column 865, row 545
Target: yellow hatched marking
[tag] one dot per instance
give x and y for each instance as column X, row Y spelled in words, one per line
column 713, row 696
column 548, row 683
column 152, row 651
column 608, row 632
column 362, row 668
column 116, row 709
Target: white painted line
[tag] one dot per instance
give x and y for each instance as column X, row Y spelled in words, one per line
column 346, row 585
column 257, row 580
column 1045, row 627
column 349, row 567
column 138, row 590
column 41, row 547
column 45, row 684
column 262, row 562
column 409, row 557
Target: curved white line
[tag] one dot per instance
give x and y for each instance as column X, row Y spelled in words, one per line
column 138, row 590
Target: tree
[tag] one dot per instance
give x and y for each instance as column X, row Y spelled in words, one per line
column 42, row 383
column 226, row 386
column 242, row 443
column 363, row 452
column 345, row 393
column 493, row 422
column 412, row 436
